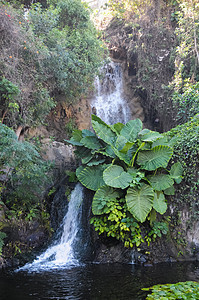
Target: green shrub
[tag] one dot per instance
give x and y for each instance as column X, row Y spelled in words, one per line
column 25, row 173
column 187, row 102
column 74, row 51
column 8, row 92
column 21, row 60
column 126, row 167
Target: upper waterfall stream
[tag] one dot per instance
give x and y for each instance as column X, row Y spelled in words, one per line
column 109, row 102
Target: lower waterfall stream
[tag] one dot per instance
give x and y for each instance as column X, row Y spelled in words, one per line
column 61, row 253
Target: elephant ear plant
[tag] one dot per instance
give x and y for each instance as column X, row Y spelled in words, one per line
column 126, row 166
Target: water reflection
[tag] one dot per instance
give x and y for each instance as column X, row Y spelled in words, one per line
column 93, row 282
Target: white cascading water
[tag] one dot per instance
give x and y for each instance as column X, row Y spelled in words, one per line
column 61, row 253
column 109, row 103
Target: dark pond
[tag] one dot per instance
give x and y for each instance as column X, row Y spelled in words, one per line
column 93, row 282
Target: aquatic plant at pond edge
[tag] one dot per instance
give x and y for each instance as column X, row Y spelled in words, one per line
column 181, row 290
column 126, row 166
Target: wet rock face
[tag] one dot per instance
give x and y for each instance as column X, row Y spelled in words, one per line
column 22, row 237
column 59, row 206
column 134, row 100
column 66, row 117
column 113, row 254
column 61, row 154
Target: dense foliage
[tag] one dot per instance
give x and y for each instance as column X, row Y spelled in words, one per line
column 182, row 290
column 187, row 52
column 126, row 166
column 24, row 176
column 21, row 66
column 22, row 171
column 186, row 151
column 125, row 9
column 48, row 51
column 187, row 102
column 185, row 95
column 73, row 50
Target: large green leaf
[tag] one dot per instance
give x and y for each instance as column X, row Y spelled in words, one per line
column 101, row 197
column 120, row 142
column 155, row 158
column 131, row 129
column 150, row 136
column 117, row 127
column 170, row 191
column 87, row 159
column 164, row 141
column 92, row 177
column 76, row 138
column 86, row 132
column 133, row 171
column 160, row 182
column 77, row 135
column 97, row 119
column 84, row 153
column 161, row 141
column 176, row 172
column 122, row 156
column 128, row 146
column 140, row 201
column 95, row 162
column 104, row 132
column 159, row 203
column 91, row 142
column 115, row 176
column 78, row 170
column 131, row 152
column 107, row 151
column 143, row 131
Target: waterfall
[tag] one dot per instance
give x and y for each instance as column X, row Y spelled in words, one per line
column 109, row 102
column 61, row 253
column 110, row 105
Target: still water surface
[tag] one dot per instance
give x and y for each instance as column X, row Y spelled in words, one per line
column 93, row 282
